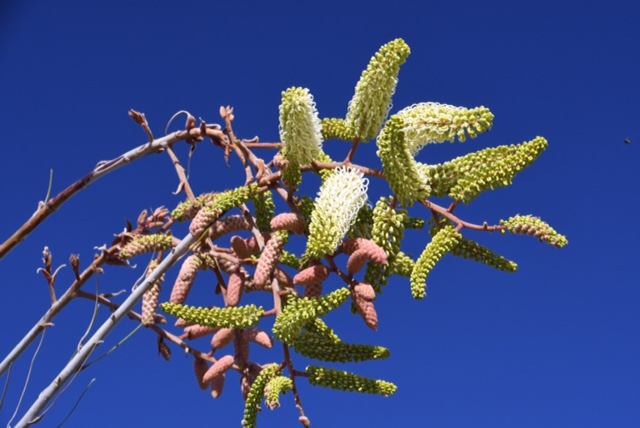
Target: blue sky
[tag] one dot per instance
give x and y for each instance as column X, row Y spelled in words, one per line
column 554, row 345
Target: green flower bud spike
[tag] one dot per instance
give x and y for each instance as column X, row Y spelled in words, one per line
column 428, row 123
column 443, row 242
column 277, row 386
column 256, row 394
column 345, row 381
column 470, row 250
column 300, row 129
column 265, row 210
column 405, row 179
column 322, row 349
column 371, row 102
column 339, row 200
column 333, row 129
column 236, row 317
column 529, row 225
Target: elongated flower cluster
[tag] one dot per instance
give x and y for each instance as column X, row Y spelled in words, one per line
column 186, row 278
column 240, row 317
column 222, row 203
column 300, row 129
column 218, row 368
column 299, row 312
column 143, row 244
column 269, row 259
column 470, row 250
column 187, row 210
column 276, row 387
column 291, row 222
column 372, row 99
column 428, row 123
column 345, row 381
column 265, row 210
column 403, row 265
column 336, row 208
column 387, row 233
column 312, row 275
column 319, row 348
column 443, row 242
column 256, row 394
column 529, row 225
column 151, row 298
column 405, row 179
column 467, row 177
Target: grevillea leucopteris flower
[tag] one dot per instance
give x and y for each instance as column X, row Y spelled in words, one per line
column 240, row 317
column 402, row 265
column 255, row 395
column 372, row 99
column 300, row 129
column 400, row 167
column 269, row 259
column 443, row 242
column 150, row 299
column 387, row 233
column 277, row 386
column 467, row 177
column 470, row 250
column 336, row 208
column 299, row 312
column 143, row 244
column 533, row 226
column 428, row 123
column 345, row 381
column 320, row 348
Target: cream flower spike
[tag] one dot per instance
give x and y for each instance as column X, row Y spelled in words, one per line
column 339, row 200
column 371, row 102
column 428, row 123
column 300, row 129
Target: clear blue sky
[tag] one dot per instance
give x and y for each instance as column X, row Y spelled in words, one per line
column 554, row 345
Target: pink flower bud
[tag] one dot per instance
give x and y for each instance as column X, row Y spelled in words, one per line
column 374, row 252
column 294, row 223
column 218, row 368
column 312, row 275
column 222, row 338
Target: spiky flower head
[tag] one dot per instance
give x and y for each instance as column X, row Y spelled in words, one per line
column 339, row 200
column 300, row 129
column 345, row 381
column 428, row 123
column 530, row 225
column 277, row 386
column 372, row 100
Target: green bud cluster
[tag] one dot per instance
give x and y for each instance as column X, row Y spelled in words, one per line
column 387, row 233
column 372, row 99
column 232, row 317
column 234, row 198
column 265, row 210
column 337, row 129
column 320, row 348
column 186, row 210
column 299, row 312
column 142, row 244
column 428, row 123
column 470, row 250
column 277, row 386
column 403, row 175
column 321, row 329
column 529, row 225
column 254, row 398
column 466, row 177
column 414, row 223
column 349, row 382
column 306, row 205
column 292, row 176
column 443, row 242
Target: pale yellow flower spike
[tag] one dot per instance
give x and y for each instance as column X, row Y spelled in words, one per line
column 300, row 129
column 371, row 103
